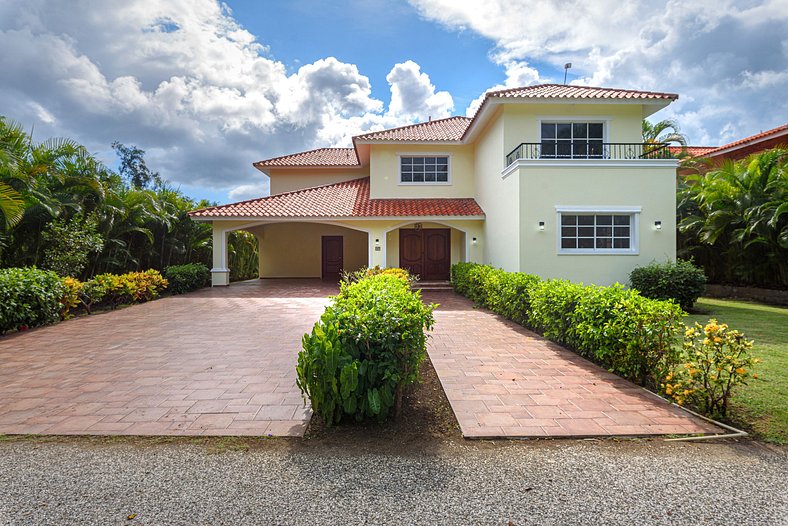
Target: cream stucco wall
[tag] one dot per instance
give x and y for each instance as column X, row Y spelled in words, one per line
column 294, row 250
column 648, row 185
column 384, row 171
column 498, row 197
column 290, row 179
column 522, row 122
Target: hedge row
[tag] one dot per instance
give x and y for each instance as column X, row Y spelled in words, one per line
column 365, row 349
column 30, row 297
column 619, row 329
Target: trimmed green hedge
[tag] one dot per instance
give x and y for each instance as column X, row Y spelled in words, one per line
column 188, row 277
column 365, row 349
column 29, row 297
column 680, row 281
column 621, row 330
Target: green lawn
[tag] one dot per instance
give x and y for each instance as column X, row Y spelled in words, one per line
column 761, row 406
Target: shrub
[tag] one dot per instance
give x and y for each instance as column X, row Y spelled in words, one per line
column 715, row 360
column 365, row 272
column 69, row 244
column 680, row 281
column 71, row 296
column 29, row 297
column 365, row 349
column 121, row 289
column 186, row 278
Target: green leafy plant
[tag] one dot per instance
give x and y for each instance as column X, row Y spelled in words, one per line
column 29, row 297
column 365, row 272
column 715, row 360
column 365, row 349
column 186, row 278
column 680, row 281
column 69, row 245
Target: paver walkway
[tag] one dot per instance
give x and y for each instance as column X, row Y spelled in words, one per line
column 215, row 362
column 505, row 381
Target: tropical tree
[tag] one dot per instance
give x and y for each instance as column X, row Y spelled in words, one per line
column 734, row 219
column 664, row 132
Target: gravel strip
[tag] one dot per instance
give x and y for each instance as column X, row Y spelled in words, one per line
column 572, row 482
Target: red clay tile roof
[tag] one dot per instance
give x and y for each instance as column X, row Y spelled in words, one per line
column 692, row 151
column 562, row 91
column 753, row 138
column 449, row 129
column 346, row 199
column 319, row 157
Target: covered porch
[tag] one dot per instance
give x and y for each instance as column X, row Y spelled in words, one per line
column 321, row 231
column 309, row 248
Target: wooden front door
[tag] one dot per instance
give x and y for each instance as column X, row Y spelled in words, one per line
column 332, row 258
column 426, row 252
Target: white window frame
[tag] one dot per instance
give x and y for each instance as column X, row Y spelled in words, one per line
column 634, row 229
column 400, row 182
column 563, row 119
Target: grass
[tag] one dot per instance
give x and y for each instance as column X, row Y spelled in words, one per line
column 761, row 406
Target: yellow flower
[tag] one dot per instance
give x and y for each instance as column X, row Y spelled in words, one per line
column 669, row 390
column 755, row 376
column 717, row 339
column 741, row 370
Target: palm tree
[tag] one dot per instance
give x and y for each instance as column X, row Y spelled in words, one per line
column 664, row 132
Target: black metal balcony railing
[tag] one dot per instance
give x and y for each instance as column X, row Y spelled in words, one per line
column 589, row 150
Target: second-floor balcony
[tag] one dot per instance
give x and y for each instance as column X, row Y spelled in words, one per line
column 583, row 150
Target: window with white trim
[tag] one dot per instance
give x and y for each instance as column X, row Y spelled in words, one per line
column 597, row 232
column 572, row 140
column 424, row 169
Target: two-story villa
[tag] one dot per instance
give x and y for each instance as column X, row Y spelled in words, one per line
column 552, row 180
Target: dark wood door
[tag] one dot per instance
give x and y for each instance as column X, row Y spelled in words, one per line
column 411, row 251
column 333, row 261
column 426, row 252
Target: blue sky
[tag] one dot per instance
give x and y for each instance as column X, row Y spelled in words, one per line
column 208, row 88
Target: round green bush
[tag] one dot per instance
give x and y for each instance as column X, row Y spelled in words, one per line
column 365, row 349
column 29, row 297
column 680, row 281
column 186, row 278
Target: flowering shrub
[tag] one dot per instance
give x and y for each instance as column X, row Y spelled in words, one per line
column 120, row 289
column 365, row 349
column 715, row 360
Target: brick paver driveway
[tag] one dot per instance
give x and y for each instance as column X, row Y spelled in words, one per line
column 215, row 362
column 505, row 381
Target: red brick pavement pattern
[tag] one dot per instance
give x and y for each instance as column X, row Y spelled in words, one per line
column 215, row 362
column 505, row 381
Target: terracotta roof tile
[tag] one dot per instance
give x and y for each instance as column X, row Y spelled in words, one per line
column 449, row 129
column 319, row 157
column 752, row 138
column 562, row 91
column 692, row 151
column 345, row 199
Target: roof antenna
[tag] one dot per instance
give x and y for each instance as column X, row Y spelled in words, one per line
column 429, row 118
column 566, row 69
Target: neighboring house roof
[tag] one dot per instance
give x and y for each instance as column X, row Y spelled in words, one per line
column 774, row 135
column 340, row 200
column 456, row 129
column 692, row 151
column 319, row 157
column 449, row 129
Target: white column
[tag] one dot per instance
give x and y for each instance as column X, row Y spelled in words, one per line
column 220, row 274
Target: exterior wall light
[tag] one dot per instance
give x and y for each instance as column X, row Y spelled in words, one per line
column 657, row 225
column 473, row 241
column 377, row 242
column 541, row 226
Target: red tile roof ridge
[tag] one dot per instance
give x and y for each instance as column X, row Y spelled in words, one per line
column 570, row 87
column 282, row 194
column 267, row 162
column 414, row 125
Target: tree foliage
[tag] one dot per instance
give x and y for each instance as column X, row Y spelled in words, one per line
column 734, row 220
column 665, row 131
column 55, row 184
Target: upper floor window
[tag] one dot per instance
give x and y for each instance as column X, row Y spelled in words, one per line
column 572, row 140
column 424, row 169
